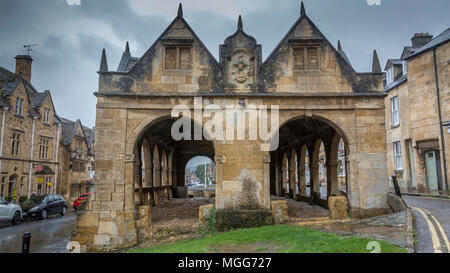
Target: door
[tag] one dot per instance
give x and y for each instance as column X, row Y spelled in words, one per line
column 430, row 164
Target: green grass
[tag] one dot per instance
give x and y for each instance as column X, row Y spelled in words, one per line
column 289, row 239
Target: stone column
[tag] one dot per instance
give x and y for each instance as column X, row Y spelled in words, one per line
column 292, row 172
column 156, row 176
column 314, row 173
column 284, row 175
column 219, row 160
column 277, row 174
column 301, row 172
column 266, row 184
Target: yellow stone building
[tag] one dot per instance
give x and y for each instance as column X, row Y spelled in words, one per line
column 418, row 114
column 308, row 86
column 29, row 136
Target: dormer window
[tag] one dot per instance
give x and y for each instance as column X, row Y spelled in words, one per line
column 46, row 115
column 306, row 57
column 19, row 107
column 405, row 71
column 390, row 75
column 178, row 57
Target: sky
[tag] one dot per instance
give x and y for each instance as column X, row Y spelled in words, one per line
column 71, row 34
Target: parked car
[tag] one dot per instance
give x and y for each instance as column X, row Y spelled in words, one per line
column 43, row 206
column 10, row 212
column 80, row 200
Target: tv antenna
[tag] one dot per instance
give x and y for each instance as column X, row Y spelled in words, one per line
column 28, row 48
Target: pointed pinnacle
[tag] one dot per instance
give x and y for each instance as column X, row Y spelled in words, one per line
column 180, row 11
column 240, row 24
column 339, row 48
column 302, row 9
column 104, row 62
column 127, row 48
column 376, row 68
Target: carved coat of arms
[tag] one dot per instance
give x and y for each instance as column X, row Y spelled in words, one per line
column 242, row 69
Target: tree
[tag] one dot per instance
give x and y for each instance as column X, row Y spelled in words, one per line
column 200, row 172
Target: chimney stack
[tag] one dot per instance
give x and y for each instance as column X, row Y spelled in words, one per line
column 421, row 39
column 23, row 66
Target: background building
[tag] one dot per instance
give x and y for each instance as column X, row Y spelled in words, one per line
column 417, row 111
column 76, row 160
column 29, row 136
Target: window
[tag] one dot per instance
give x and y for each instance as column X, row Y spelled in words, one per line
column 395, row 111
column 404, row 68
column 19, row 107
column 398, row 155
column 2, row 192
column 47, row 115
column 390, row 75
column 39, row 189
column 44, row 148
column 22, row 183
column 16, row 140
column 306, row 57
column 178, row 58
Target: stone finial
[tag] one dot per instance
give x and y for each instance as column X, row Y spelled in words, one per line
column 127, row 48
column 240, row 24
column 104, row 62
column 180, row 11
column 376, row 68
column 302, row 9
column 339, row 48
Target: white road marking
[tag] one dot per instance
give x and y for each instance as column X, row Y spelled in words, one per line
column 433, row 232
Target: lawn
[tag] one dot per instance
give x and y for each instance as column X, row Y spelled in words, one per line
column 281, row 239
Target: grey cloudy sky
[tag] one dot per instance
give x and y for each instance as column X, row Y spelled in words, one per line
column 71, row 37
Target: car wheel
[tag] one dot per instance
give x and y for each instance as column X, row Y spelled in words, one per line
column 44, row 214
column 63, row 211
column 16, row 218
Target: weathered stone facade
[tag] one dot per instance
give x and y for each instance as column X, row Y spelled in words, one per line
column 422, row 115
column 321, row 98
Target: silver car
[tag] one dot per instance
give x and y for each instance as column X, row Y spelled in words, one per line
column 10, row 212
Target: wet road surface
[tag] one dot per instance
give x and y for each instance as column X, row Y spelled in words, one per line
column 48, row 236
column 432, row 223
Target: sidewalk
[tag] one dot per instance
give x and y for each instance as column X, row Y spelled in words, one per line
column 440, row 194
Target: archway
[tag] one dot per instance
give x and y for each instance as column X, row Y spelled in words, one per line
column 159, row 178
column 311, row 154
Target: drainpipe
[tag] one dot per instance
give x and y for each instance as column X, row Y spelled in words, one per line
column 56, row 159
column 30, row 173
column 2, row 135
column 440, row 117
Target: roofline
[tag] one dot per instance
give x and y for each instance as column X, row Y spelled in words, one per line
column 413, row 55
column 235, row 95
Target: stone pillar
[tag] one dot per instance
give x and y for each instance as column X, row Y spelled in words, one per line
column 266, row 184
column 292, row 174
column 278, row 189
column 219, row 160
column 314, row 172
column 301, row 169
column 284, row 175
column 156, row 176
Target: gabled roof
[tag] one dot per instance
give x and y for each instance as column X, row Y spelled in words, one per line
column 393, row 62
column 134, row 62
column 319, row 34
column 9, row 83
column 437, row 41
column 69, row 130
